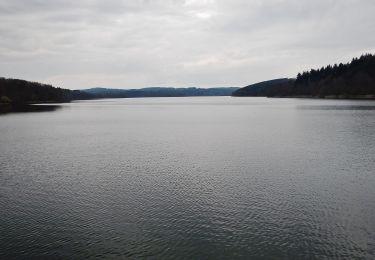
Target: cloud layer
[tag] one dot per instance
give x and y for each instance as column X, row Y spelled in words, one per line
column 138, row 43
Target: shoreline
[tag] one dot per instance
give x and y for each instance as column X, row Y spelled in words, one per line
column 340, row 97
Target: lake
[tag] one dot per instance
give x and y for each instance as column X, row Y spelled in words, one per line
column 189, row 178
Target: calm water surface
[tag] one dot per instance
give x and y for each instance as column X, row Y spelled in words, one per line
column 189, row 178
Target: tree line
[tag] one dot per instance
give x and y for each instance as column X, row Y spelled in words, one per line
column 21, row 92
column 159, row 92
column 354, row 79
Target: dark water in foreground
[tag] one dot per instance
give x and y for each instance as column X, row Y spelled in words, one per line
column 189, row 178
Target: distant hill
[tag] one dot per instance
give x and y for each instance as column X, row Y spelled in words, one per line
column 159, row 92
column 265, row 88
column 352, row 80
column 20, row 92
column 17, row 92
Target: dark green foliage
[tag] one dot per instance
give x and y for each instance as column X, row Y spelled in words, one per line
column 23, row 92
column 5, row 100
column 159, row 92
column 355, row 78
column 351, row 80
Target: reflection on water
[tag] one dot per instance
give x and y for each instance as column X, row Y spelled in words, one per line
column 336, row 107
column 6, row 109
column 189, row 178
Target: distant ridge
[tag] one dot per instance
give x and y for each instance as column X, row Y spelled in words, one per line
column 265, row 88
column 159, row 92
column 352, row 80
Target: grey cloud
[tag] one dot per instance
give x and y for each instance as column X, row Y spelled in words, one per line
column 136, row 43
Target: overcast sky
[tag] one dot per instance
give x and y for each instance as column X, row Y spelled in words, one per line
column 206, row 43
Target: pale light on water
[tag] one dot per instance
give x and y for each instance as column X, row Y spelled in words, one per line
column 189, row 178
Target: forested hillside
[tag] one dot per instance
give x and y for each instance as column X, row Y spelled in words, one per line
column 265, row 88
column 20, row 92
column 352, row 80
